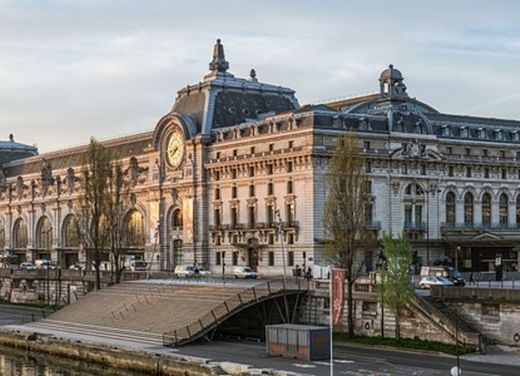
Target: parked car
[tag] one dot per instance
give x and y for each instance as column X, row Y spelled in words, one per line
column 244, row 272
column 75, row 267
column 27, row 266
column 138, row 266
column 431, row 280
column 44, row 264
column 185, row 271
column 203, row 272
column 447, row 272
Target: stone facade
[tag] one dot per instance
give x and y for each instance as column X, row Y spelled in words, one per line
column 235, row 173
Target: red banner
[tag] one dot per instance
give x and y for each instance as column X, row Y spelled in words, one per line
column 337, row 295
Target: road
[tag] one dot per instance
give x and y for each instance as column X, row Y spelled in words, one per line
column 348, row 360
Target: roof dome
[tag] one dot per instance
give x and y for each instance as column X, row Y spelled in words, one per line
column 391, row 73
column 11, row 150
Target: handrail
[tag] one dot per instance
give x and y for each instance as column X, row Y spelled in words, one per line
column 228, row 307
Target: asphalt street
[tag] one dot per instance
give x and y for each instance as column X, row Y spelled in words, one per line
column 348, row 360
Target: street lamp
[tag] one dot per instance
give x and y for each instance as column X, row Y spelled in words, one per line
column 279, row 226
column 381, row 265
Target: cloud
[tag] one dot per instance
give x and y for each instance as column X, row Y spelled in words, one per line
column 71, row 69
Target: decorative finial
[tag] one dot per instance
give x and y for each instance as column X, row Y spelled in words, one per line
column 11, row 137
column 252, row 75
column 218, row 63
column 391, row 66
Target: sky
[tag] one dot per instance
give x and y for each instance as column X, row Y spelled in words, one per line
column 72, row 69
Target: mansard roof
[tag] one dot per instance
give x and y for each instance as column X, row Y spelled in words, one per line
column 222, row 99
column 123, row 147
column 11, row 150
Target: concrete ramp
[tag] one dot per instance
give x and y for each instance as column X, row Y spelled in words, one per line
column 159, row 313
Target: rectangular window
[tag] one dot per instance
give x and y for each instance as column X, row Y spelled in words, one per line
column 518, row 173
column 366, row 145
column 218, row 261
column 502, row 154
column 484, row 152
column 291, row 144
column 404, row 169
column 504, row 173
column 234, row 217
column 270, row 239
column 217, row 154
column 235, row 153
column 368, row 166
column 289, row 167
column 252, row 150
column 235, row 259
column 289, row 187
column 450, row 171
column 216, row 214
column 270, row 189
column 518, row 155
column 408, row 215
column 218, row 241
column 251, row 190
column 233, row 173
column 289, row 213
column 423, row 169
column 269, row 169
column 290, row 238
column 271, row 258
column 449, row 150
column 217, row 193
column 233, row 192
column 467, row 151
column 270, row 216
column 290, row 257
column 271, row 147
column 486, row 173
column 217, row 175
column 368, row 189
column 251, row 171
column 252, row 217
column 468, row 172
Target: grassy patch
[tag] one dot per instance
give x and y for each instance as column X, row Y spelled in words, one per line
column 415, row 344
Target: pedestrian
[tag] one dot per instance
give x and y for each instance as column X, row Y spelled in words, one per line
column 308, row 275
column 295, row 271
column 471, row 281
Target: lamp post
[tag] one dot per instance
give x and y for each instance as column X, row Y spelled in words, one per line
column 381, row 263
column 279, row 225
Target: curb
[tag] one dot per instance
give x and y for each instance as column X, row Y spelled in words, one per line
column 395, row 349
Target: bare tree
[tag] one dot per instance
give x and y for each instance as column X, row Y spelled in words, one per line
column 117, row 201
column 346, row 213
column 396, row 277
column 93, row 221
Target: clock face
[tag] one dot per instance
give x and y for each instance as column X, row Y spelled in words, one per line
column 175, row 149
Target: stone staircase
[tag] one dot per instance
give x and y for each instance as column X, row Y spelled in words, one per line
column 443, row 316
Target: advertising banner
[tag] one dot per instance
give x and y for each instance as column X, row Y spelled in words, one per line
column 337, row 295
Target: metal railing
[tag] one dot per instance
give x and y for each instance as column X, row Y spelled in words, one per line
column 479, row 226
column 243, row 299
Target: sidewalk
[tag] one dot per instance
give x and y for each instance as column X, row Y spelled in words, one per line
column 497, row 355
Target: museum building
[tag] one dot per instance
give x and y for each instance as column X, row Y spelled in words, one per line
column 235, row 175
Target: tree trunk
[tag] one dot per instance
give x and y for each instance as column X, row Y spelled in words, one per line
column 350, row 305
column 397, row 327
column 98, row 274
column 118, row 270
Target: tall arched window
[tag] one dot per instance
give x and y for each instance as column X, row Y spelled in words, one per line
column 177, row 218
column 503, row 209
column 2, row 235
column 134, row 229
column 468, row 209
column 44, row 233
column 450, row 208
column 518, row 210
column 20, row 234
column 71, row 232
column 486, row 209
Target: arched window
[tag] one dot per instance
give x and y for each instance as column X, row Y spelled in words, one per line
column 71, row 232
column 518, row 210
column 468, row 209
column 20, row 234
column 134, row 229
column 503, row 209
column 2, row 235
column 44, row 233
column 177, row 218
column 486, row 209
column 450, row 208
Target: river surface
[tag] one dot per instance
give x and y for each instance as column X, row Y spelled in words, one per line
column 15, row 362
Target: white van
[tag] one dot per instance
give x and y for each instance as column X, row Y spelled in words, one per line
column 138, row 266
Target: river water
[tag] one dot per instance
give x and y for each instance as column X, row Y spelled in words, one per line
column 15, row 362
